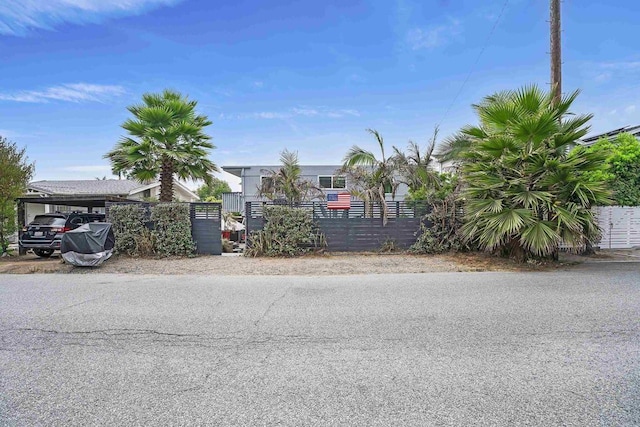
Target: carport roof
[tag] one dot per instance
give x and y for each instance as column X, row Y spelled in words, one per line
column 89, row 201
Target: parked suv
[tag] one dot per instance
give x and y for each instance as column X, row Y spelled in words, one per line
column 44, row 233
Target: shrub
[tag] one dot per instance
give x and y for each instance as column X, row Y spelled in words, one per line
column 388, row 246
column 444, row 234
column 145, row 243
column 171, row 234
column 128, row 222
column 227, row 246
column 287, row 231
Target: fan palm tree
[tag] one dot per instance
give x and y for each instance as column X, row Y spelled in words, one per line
column 525, row 192
column 166, row 140
column 371, row 178
column 453, row 148
column 286, row 182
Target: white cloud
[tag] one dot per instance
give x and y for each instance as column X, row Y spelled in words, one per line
column 432, row 37
column 603, row 77
column 630, row 109
column 18, row 17
column 73, row 92
column 621, row 65
column 304, row 112
column 309, row 112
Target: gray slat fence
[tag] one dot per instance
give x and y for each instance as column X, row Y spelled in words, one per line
column 357, row 229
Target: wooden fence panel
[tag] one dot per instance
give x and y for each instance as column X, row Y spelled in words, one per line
column 206, row 224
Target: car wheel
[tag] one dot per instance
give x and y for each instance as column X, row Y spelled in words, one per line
column 44, row 253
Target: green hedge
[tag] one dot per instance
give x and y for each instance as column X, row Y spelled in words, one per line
column 170, row 232
column 287, row 232
column 172, row 229
column 128, row 222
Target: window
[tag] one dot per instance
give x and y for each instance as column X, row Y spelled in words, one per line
column 146, row 194
column 332, row 181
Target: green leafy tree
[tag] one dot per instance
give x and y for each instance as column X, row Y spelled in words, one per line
column 167, row 140
column 213, row 191
column 623, row 172
column 525, row 193
column 286, row 183
column 370, row 177
column 15, row 174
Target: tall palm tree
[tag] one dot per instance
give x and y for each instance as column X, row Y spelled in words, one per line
column 286, row 183
column 371, row 177
column 166, row 139
column 415, row 167
column 525, row 192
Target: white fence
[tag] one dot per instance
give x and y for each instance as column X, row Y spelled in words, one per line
column 620, row 227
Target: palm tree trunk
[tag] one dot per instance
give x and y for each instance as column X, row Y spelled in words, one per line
column 166, row 180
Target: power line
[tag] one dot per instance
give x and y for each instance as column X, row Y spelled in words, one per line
column 486, row 42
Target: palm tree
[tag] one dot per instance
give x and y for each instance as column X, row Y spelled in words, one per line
column 415, row 168
column 166, row 139
column 453, row 148
column 525, row 192
column 371, row 178
column 286, row 182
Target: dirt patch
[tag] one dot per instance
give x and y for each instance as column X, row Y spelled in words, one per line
column 313, row 265
column 33, row 264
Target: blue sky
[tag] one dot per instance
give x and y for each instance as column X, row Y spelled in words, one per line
column 305, row 75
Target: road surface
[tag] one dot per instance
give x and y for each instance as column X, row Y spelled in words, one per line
column 551, row 348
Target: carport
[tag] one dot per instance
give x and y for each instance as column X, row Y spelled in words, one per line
column 86, row 201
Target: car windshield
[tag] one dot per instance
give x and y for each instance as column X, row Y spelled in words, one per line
column 48, row 220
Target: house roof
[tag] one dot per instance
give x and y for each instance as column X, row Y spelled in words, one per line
column 86, row 186
column 633, row 130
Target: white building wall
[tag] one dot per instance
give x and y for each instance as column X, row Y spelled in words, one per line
column 251, row 180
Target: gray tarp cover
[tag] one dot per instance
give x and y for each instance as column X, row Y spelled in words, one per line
column 88, row 245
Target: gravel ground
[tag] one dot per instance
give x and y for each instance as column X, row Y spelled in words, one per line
column 232, row 265
column 312, row 265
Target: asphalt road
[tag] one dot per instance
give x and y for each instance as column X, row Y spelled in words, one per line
column 509, row 349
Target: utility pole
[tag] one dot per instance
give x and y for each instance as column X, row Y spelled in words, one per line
column 556, row 54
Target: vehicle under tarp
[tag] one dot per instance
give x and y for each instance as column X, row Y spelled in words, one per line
column 88, row 245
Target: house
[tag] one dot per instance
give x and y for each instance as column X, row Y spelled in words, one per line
column 611, row 135
column 90, row 195
column 326, row 177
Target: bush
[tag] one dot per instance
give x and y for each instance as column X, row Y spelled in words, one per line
column 227, row 246
column 128, row 222
column 444, row 235
column 171, row 234
column 287, row 231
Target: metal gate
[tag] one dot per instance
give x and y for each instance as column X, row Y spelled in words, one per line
column 206, row 227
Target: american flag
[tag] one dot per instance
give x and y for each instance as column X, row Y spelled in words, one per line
column 338, row 201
